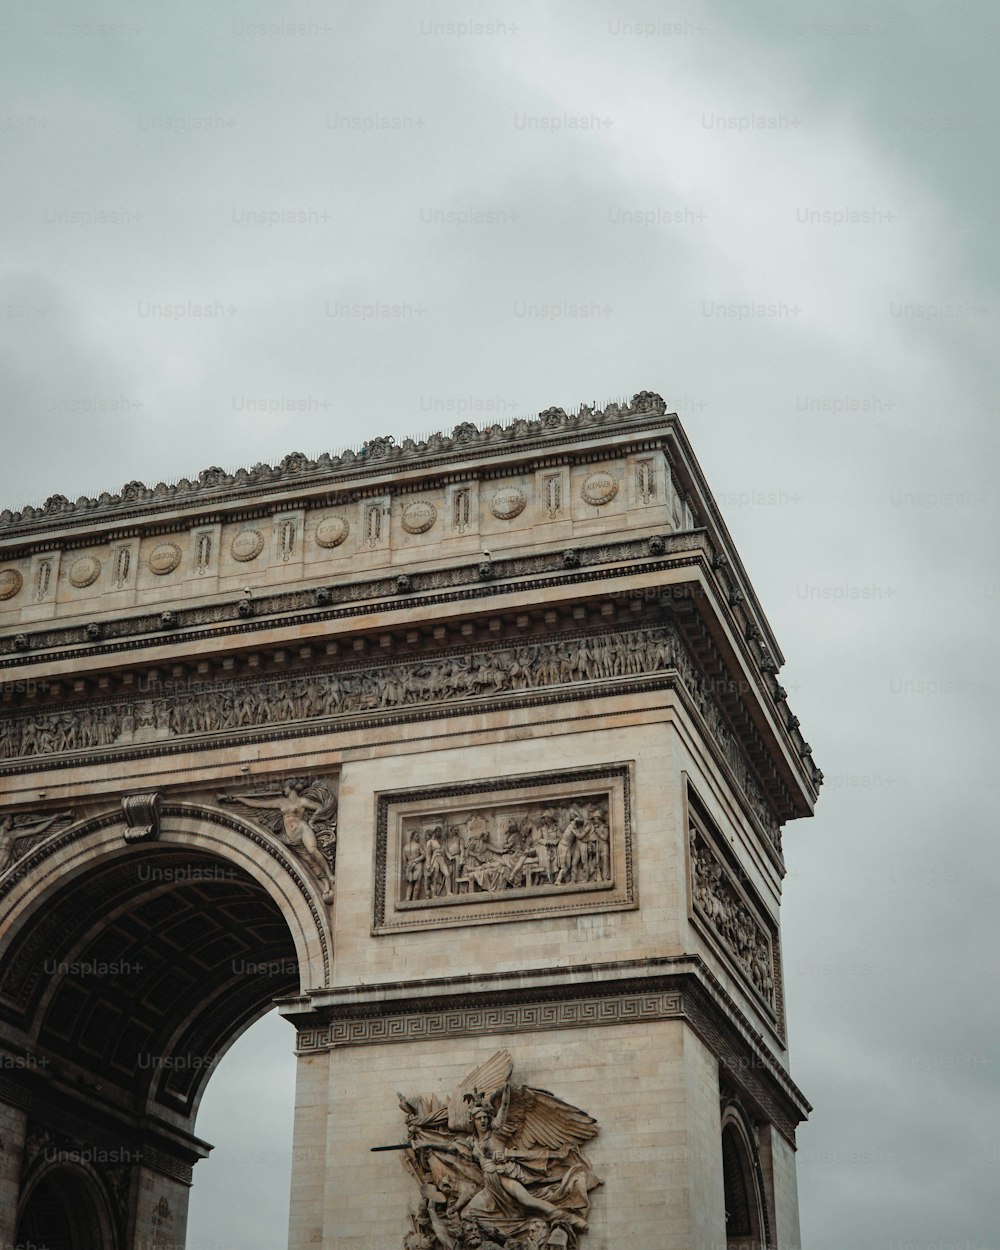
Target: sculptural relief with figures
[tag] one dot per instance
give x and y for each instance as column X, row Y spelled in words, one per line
column 497, row 1164
column 302, row 813
column 482, row 852
column 733, row 919
column 504, row 849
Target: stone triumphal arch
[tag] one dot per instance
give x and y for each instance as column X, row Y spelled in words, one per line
column 471, row 755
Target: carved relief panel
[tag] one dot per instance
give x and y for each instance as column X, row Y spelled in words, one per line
column 724, row 906
column 417, row 514
column 206, row 542
column 11, row 582
column 123, row 564
column 374, row 522
column 504, row 849
column 286, row 537
column 21, row 832
column 597, row 488
column 44, row 573
column 552, row 494
column 506, row 499
column 497, row 1160
column 462, row 507
column 647, row 475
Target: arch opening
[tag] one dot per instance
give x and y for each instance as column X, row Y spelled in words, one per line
column 747, row 1225
column 139, row 975
column 64, row 1210
column 124, row 985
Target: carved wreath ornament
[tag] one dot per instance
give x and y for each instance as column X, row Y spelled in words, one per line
column 498, row 1165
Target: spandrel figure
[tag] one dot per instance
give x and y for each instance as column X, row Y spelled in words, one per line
column 304, row 816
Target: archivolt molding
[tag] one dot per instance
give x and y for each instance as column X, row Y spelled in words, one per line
column 736, row 1121
column 198, row 826
column 103, row 1170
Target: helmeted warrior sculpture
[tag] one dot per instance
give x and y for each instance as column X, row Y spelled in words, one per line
column 498, row 1164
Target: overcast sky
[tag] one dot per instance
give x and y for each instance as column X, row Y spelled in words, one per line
column 781, row 217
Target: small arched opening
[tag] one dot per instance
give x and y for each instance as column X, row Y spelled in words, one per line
column 747, row 1224
column 66, row 1209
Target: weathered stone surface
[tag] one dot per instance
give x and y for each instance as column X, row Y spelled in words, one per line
column 433, row 743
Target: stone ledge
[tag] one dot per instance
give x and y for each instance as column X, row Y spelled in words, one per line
column 586, row 996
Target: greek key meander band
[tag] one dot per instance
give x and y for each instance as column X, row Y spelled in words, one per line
column 471, row 1021
column 722, row 1028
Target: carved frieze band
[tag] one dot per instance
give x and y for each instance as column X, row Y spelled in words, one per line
column 473, row 1021
column 191, row 707
column 727, row 908
column 501, row 671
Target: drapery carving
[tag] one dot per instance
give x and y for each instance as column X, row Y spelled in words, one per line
column 303, row 814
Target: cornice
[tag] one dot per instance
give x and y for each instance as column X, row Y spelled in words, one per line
column 296, row 472
column 474, row 583
column 372, row 596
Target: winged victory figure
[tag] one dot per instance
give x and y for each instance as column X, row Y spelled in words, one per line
column 498, row 1164
column 304, row 817
column 14, row 828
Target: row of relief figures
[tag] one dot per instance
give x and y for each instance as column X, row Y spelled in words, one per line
column 717, row 901
column 546, row 844
column 191, row 707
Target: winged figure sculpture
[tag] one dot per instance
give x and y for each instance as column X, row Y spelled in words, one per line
column 498, row 1165
column 304, row 816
